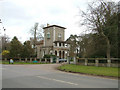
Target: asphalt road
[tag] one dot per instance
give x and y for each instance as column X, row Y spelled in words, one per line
column 45, row 76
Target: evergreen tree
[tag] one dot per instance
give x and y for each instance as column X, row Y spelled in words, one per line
column 15, row 48
column 28, row 51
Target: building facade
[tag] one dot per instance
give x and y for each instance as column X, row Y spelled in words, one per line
column 54, row 42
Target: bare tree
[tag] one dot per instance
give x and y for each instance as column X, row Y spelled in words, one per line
column 37, row 32
column 101, row 17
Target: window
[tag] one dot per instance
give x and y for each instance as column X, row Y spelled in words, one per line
column 48, row 35
column 59, row 44
column 59, row 36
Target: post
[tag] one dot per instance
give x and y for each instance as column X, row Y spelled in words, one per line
column 75, row 60
column 96, row 62
column 51, row 60
column 30, row 60
column 108, row 63
column 57, row 61
column 25, row 59
column 45, row 60
column 19, row 59
column 86, row 62
column 67, row 60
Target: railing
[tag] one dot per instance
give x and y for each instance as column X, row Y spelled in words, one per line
column 41, row 60
column 113, row 62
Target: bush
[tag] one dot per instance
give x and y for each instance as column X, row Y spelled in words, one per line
column 49, row 56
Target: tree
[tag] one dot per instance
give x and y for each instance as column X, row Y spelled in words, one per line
column 27, row 50
column 72, row 40
column 15, row 48
column 37, row 32
column 5, row 53
column 119, row 29
column 101, row 18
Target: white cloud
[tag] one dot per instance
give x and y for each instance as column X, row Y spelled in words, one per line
column 19, row 16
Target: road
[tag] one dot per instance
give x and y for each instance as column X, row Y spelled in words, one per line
column 46, row 76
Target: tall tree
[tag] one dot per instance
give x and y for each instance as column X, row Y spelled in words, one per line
column 27, row 50
column 101, row 17
column 37, row 33
column 15, row 48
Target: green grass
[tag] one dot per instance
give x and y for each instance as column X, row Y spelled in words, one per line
column 93, row 70
column 6, row 62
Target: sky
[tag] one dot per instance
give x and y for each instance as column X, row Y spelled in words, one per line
column 19, row 16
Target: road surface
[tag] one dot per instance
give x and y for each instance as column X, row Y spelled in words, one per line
column 46, row 76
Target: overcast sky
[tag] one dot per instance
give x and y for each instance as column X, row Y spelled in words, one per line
column 18, row 16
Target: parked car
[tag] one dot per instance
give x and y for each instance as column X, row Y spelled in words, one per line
column 62, row 60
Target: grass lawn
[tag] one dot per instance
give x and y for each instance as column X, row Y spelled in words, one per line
column 6, row 62
column 93, row 70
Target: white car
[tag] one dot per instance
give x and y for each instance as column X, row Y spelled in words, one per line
column 62, row 60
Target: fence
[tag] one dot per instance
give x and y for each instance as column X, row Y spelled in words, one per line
column 113, row 62
column 41, row 60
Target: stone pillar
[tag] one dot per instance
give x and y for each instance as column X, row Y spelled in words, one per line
column 57, row 44
column 30, row 60
column 61, row 44
column 53, row 52
column 58, row 53
column 74, row 60
column 57, row 61
column 66, row 54
column 45, row 60
column 19, row 59
column 68, row 60
column 86, row 62
column 108, row 63
column 96, row 62
column 25, row 59
column 51, row 60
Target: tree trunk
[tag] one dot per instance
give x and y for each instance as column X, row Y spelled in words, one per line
column 108, row 49
column 108, row 45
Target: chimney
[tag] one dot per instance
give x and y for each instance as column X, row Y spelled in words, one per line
column 48, row 24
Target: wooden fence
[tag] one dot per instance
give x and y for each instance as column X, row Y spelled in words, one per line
column 113, row 62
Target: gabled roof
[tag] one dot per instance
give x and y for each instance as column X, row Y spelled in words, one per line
column 54, row 26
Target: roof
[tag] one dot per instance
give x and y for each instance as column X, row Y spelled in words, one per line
column 54, row 26
column 60, row 41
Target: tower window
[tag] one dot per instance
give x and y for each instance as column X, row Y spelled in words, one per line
column 59, row 36
column 48, row 35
